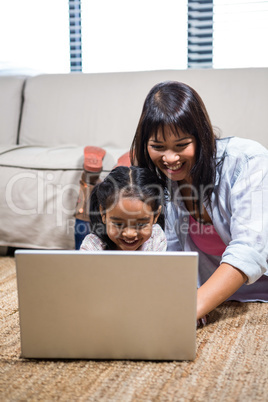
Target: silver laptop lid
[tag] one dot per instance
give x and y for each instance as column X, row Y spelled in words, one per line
column 107, row 305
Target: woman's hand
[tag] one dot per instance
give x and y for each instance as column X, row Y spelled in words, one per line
column 225, row 281
column 202, row 321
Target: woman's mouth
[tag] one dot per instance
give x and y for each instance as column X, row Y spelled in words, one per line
column 174, row 168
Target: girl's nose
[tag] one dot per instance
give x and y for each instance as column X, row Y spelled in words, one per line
column 170, row 157
column 129, row 232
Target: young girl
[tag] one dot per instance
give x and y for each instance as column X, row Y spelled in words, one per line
column 126, row 212
column 219, row 190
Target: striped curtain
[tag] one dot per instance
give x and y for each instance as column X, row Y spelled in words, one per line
column 200, row 33
column 227, row 33
column 221, row 34
column 75, row 35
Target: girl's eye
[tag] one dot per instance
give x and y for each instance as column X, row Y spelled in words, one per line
column 138, row 226
column 141, row 225
column 118, row 225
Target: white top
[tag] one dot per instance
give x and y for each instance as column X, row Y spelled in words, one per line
column 239, row 214
column 157, row 241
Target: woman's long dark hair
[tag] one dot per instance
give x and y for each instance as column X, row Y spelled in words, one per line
column 177, row 106
column 134, row 182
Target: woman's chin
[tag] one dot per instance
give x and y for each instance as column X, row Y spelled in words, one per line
column 175, row 175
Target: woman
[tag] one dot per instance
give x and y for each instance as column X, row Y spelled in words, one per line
column 218, row 189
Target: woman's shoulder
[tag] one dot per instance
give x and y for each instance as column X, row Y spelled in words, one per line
column 239, row 158
column 92, row 243
column 239, row 147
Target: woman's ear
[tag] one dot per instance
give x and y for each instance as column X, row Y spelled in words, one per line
column 103, row 217
column 157, row 214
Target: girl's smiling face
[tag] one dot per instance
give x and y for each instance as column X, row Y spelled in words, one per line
column 129, row 223
column 173, row 155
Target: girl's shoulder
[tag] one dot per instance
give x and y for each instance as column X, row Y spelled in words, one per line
column 92, row 243
column 157, row 230
column 157, row 241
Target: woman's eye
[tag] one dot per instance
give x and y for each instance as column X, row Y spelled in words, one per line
column 158, row 147
column 162, row 147
column 183, row 145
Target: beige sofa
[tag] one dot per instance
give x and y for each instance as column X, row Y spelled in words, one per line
column 46, row 120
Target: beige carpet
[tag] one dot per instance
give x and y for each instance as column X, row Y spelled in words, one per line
column 231, row 363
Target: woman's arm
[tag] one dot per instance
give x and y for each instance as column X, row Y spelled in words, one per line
column 224, row 282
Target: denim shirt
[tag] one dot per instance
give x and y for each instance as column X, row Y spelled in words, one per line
column 239, row 211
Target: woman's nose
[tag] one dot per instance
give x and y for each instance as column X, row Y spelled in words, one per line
column 170, row 157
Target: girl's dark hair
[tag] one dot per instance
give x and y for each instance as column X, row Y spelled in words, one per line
column 134, row 182
column 177, row 106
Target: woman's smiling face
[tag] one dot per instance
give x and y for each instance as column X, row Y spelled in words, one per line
column 173, row 155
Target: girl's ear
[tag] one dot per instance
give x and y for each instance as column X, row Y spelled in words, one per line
column 103, row 217
column 157, row 214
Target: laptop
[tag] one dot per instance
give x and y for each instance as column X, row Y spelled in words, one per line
column 107, row 304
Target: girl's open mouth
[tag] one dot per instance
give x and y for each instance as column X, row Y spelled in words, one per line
column 129, row 243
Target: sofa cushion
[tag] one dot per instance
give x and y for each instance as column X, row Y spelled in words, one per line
column 40, row 192
column 10, row 108
column 104, row 109
column 84, row 109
